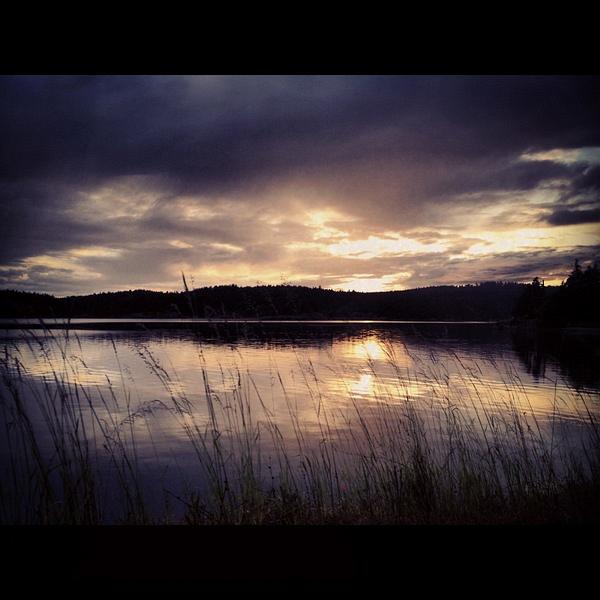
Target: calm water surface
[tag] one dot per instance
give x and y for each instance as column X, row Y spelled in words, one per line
column 297, row 375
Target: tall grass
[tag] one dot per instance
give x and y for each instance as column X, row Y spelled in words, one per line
column 71, row 456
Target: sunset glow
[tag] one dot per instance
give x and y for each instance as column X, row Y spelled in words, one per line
column 318, row 181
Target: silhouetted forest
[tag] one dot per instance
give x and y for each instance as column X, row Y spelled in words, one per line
column 575, row 302
column 483, row 301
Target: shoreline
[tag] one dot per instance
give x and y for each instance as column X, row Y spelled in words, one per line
column 135, row 323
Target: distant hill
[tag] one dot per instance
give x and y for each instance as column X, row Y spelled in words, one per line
column 483, row 301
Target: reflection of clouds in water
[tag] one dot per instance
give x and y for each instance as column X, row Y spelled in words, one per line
column 364, row 386
column 371, row 368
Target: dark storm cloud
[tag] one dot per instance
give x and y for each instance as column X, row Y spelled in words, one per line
column 574, row 217
column 586, row 184
column 501, row 176
column 580, row 200
column 224, row 131
column 33, row 221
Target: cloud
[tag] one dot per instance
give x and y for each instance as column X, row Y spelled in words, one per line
column 573, row 217
column 586, row 184
column 580, row 200
column 314, row 179
column 222, row 133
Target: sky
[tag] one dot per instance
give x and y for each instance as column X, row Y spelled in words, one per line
column 347, row 182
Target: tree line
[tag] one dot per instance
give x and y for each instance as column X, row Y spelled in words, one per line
column 482, row 301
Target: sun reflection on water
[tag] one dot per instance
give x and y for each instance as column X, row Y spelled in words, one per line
column 370, row 348
column 364, row 386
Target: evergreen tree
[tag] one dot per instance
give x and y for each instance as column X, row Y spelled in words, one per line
column 577, row 301
column 531, row 302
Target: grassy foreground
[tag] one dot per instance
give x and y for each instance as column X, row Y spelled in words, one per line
column 388, row 462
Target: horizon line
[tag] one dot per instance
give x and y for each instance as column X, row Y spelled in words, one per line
column 275, row 285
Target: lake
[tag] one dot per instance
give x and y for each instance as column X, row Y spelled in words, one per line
column 277, row 392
